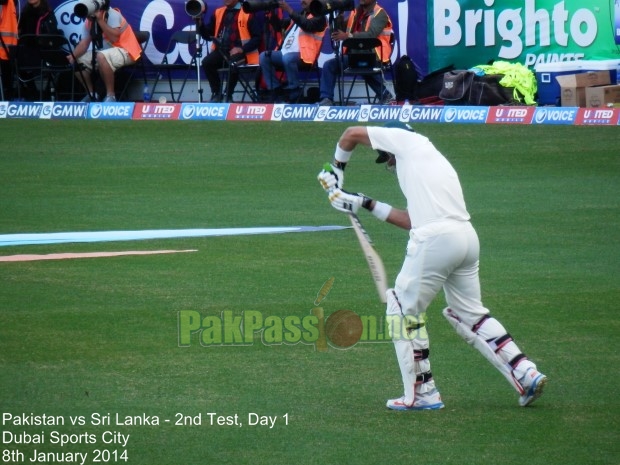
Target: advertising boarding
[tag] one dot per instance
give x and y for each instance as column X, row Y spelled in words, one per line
column 469, row 32
column 435, row 34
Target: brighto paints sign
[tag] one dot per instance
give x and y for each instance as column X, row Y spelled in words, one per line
column 529, row 32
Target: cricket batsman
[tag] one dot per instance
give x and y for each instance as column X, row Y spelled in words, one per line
column 443, row 252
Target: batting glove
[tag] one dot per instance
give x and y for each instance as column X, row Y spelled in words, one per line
column 331, row 177
column 346, row 202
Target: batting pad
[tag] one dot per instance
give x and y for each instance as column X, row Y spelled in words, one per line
column 484, row 348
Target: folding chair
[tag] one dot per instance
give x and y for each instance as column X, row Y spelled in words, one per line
column 247, row 78
column 53, row 50
column 363, row 62
column 186, row 38
column 27, row 66
column 307, row 72
column 143, row 39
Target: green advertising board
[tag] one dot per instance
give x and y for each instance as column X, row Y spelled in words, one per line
column 466, row 33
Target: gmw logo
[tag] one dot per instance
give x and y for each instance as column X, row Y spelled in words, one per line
column 46, row 110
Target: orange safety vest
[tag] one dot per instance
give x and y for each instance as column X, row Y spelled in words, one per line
column 127, row 39
column 309, row 43
column 244, row 32
column 385, row 50
column 8, row 28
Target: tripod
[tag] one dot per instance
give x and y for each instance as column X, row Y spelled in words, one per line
column 96, row 37
column 338, row 53
column 272, row 20
column 198, row 58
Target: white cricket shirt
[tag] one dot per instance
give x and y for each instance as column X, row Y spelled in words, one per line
column 427, row 179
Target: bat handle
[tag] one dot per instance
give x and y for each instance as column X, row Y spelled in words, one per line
column 321, row 343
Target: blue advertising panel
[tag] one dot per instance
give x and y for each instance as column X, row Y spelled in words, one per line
column 116, row 110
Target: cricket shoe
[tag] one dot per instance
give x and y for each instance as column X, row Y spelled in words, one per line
column 533, row 382
column 428, row 401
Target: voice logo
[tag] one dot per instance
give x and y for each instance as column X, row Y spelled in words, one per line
column 203, row 111
column 119, row 110
column 465, row 114
column 545, row 115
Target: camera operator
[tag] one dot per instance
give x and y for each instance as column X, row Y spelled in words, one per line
column 8, row 39
column 116, row 46
column 367, row 21
column 236, row 36
column 302, row 42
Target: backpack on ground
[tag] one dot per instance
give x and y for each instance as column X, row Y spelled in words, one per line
column 405, row 79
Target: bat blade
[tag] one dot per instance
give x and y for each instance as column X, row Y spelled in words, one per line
column 377, row 270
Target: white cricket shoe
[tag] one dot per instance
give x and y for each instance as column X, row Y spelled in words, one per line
column 429, row 401
column 533, row 382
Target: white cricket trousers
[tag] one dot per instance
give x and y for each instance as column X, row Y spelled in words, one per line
column 443, row 254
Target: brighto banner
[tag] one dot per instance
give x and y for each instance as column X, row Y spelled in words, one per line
column 529, row 32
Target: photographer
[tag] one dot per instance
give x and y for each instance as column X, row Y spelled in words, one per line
column 8, row 38
column 236, row 36
column 302, row 42
column 367, row 21
column 115, row 44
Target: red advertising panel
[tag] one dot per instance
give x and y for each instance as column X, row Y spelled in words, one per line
column 598, row 116
column 249, row 112
column 156, row 111
column 512, row 115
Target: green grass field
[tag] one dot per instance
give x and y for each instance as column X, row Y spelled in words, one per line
column 98, row 336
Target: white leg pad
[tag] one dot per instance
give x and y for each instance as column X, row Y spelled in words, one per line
column 483, row 347
column 411, row 344
column 404, row 355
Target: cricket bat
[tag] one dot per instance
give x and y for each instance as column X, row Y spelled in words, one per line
column 377, row 270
